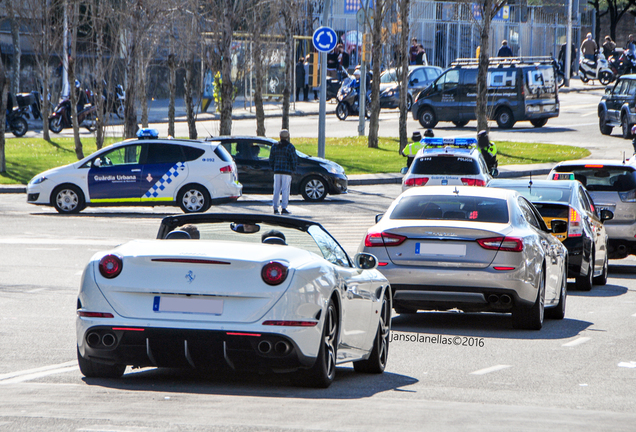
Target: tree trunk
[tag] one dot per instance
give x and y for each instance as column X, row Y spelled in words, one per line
column 227, row 87
column 257, row 65
column 376, row 53
column 289, row 64
column 17, row 50
column 189, row 97
column 143, row 95
column 405, row 6
column 173, row 93
column 79, row 151
column 4, row 87
column 481, row 108
column 130, row 122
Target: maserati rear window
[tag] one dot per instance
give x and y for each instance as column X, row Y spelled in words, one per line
column 443, row 207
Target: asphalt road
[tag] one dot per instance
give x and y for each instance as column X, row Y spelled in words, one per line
column 574, row 374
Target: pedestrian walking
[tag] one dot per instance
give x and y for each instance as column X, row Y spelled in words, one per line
column 306, row 67
column 300, row 79
column 282, row 160
column 609, row 46
column 505, row 50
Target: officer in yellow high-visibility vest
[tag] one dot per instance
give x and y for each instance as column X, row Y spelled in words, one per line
column 488, row 150
column 411, row 150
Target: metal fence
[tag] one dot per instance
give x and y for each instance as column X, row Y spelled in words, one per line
column 448, row 30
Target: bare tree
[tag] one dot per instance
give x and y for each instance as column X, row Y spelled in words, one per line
column 488, row 9
column 379, row 13
column 4, row 86
column 17, row 50
column 616, row 10
column 74, row 22
column 404, row 7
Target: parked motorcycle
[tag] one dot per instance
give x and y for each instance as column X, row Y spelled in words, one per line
column 595, row 70
column 558, row 72
column 61, row 117
column 623, row 64
column 348, row 99
column 16, row 123
column 115, row 101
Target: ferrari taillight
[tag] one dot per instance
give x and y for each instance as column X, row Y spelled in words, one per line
column 383, row 239
column 110, row 266
column 575, row 228
column 274, row 273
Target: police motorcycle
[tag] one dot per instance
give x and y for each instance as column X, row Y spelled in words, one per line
column 348, row 100
column 598, row 69
column 15, row 118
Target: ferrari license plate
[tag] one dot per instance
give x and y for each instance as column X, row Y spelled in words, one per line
column 196, row 305
column 440, row 249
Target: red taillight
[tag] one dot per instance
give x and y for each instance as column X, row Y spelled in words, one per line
column 110, row 266
column 593, row 166
column 383, row 239
column 420, row 181
column 473, row 182
column 383, row 264
column 510, row 244
column 575, row 229
column 226, row 169
column 95, row 314
column 129, row 329
column 499, row 268
column 292, row 323
column 243, row 334
column 274, row 273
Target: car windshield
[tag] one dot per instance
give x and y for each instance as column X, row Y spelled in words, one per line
column 444, row 207
column 603, row 178
column 542, row 194
column 314, row 240
column 445, row 165
column 388, row 76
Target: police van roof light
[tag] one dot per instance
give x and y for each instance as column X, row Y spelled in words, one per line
column 147, row 133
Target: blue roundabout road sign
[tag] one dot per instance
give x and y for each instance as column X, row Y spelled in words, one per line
column 325, row 39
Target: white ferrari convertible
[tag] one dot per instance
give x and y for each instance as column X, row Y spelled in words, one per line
column 235, row 291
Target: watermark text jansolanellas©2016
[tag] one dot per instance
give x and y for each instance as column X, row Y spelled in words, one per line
column 466, row 341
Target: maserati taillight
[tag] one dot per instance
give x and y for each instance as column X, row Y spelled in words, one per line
column 509, row 244
column 473, row 182
column 383, row 239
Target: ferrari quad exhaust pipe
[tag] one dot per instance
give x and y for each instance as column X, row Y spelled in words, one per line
column 93, row 339
column 493, row 298
column 505, row 299
column 282, row 347
column 264, row 347
column 109, row 340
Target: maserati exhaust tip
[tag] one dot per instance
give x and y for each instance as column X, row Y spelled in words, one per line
column 505, row 299
column 109, row 340
column 93, row 339
column 493, row 298
column 264, row 347
column 282, row 347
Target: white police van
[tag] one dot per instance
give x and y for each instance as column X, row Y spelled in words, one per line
column 447, row 161
column 147, row 171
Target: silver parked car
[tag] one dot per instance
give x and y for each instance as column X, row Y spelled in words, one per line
column 474, row 249
column 612, row 185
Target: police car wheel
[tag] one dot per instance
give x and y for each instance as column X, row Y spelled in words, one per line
column 505, row 119
column 194, row 199
column 427, row 118
column 68, row 199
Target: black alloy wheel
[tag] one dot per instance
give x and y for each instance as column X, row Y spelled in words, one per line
column 376, row 363
column 558, row 311
column 585, row 282
column 531, row 318
column 323, row 372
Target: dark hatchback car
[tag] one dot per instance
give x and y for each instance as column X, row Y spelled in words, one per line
column 314, row 177
column 586, row 238
column 419, row 78
column 618, row 106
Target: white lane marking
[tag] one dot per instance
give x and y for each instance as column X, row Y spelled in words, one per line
column 35, row 291
column 576, row 342
column 631, row 364
column 40, row 369
column 589, row 114
column 490, row 369
column 29, row 377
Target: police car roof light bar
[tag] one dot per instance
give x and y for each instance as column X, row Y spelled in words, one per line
column 147, row 133
column 453, row 142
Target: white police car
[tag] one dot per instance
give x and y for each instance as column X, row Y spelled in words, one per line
column 447, row 161
column 192, row 174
